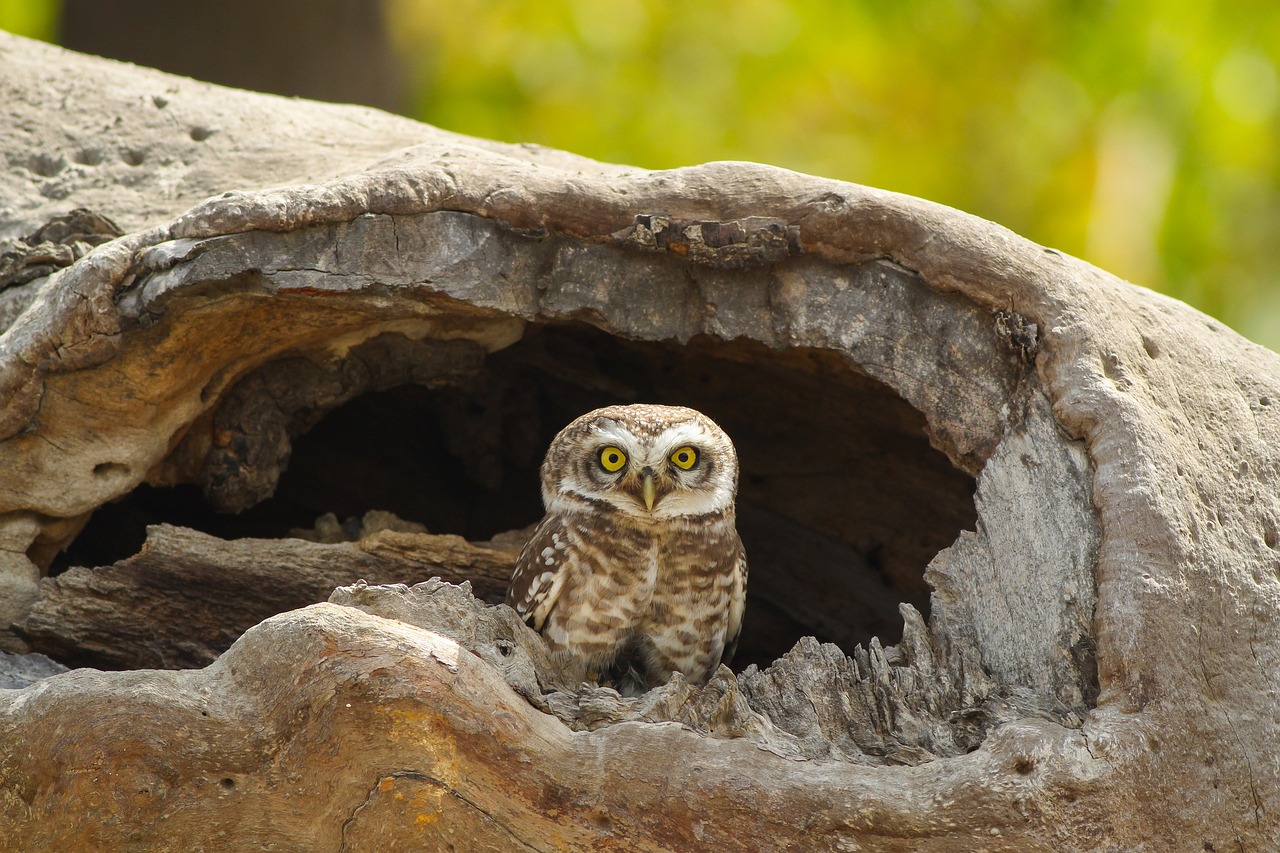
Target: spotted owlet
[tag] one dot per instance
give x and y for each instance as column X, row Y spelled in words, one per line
column 636, row 571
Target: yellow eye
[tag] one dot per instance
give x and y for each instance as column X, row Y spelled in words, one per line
column 684, row 458
column 612, row 459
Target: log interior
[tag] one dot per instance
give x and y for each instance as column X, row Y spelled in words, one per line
column 842, row 501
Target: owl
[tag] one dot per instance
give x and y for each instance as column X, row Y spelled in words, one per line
column 636, row 571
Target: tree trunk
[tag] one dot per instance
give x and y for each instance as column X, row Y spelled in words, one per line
column 1012, row 522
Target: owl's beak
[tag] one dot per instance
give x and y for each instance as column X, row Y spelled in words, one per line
column 648, row 490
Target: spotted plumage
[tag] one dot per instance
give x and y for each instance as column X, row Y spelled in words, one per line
column 636, row 571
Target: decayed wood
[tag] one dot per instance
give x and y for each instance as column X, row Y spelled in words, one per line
column 187, row 596
column 394, row 736
column 905, row 706
column 1119, row 574
column 20, row 670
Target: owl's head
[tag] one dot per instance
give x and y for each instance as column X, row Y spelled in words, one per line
column 647, row 462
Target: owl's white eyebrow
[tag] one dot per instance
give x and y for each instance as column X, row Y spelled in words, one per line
column 682, row 434
column 613, row 433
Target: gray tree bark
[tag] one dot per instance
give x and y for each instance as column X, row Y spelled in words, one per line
column 1074, row 478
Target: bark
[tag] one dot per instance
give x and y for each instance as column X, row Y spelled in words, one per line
column 1031, row 508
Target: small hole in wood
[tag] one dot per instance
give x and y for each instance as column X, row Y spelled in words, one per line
column 47, row 165
column 89, row 156
column 110, row 469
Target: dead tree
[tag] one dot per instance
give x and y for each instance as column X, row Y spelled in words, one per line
column 1012, row 522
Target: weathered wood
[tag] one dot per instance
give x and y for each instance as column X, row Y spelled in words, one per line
column 20, row 670
column 327, row 726
column 1104, row 640
column 905, row 705
column 186, row 597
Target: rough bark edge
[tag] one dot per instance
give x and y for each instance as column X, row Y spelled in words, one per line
column 388, row 702
column 78, row 326
column 928, row 697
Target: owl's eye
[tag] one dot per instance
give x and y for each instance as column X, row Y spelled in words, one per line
column 684, row 458
column 612, row 459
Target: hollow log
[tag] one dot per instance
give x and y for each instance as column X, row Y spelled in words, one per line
column 1012, row 522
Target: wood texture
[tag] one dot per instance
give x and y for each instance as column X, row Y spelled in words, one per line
column 186, row 597
column 327, row 726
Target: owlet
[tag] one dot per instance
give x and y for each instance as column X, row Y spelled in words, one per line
column 636, row 571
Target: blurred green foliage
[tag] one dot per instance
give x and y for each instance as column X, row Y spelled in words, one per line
column 36, row 19
column 1141, row 135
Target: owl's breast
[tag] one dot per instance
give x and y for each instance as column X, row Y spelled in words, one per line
column 685, row 565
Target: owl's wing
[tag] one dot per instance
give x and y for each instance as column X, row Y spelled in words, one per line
column 737, row 603
column 536, row 585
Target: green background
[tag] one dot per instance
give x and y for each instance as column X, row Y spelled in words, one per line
column 1141, row 136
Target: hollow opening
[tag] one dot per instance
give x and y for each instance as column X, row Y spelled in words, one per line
column 842, row 500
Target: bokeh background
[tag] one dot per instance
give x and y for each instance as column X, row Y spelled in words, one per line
column 1141, row 135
